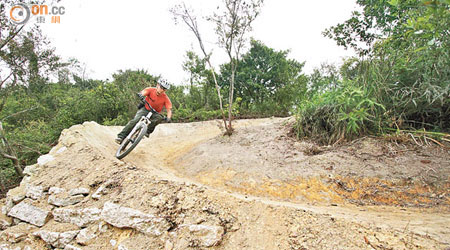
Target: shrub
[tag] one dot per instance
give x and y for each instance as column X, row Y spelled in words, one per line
column 342, row 113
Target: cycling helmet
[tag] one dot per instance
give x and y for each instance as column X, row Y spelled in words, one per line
column 164, row 84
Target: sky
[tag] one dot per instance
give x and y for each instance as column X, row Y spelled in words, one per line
column 111, row 35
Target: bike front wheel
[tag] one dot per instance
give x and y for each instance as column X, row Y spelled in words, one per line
column 130, row 142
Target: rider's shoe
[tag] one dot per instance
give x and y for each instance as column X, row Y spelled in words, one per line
column 118, row 140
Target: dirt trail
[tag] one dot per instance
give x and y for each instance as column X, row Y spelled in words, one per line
column 200, row 155
column 265, row 189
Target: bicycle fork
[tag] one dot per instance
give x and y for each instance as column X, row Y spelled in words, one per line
column 145, row 120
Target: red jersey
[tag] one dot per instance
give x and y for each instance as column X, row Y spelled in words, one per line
column 156, row 101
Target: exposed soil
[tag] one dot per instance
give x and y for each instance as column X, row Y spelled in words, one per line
column 266, row 189
column 262, row 160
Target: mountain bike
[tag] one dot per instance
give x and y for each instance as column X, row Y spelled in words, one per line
column 136, row 134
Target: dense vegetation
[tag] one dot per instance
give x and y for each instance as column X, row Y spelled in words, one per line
column 401, row 81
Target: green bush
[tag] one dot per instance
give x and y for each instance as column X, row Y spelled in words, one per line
column 343, row 113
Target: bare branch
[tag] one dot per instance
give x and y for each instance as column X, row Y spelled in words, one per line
column 9, row 154
column 1, row 84
column 10, row 157
column 20, row 112
column 11, row 37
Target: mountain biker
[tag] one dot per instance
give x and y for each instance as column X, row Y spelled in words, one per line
column 158, row 99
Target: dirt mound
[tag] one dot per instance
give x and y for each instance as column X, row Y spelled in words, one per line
column 189, row 187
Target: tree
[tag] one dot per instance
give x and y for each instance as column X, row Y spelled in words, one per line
column 26, row 56
column 25, row 59
column 263, row 75
column 390, row 19
column 379, row 19
column 232, row 26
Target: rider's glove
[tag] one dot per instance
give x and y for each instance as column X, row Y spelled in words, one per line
column 168, row 120
column 141, row 97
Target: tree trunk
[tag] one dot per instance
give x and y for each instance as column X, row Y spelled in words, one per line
column 230, row 98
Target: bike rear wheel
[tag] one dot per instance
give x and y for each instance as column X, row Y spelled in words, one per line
column 130, row 142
